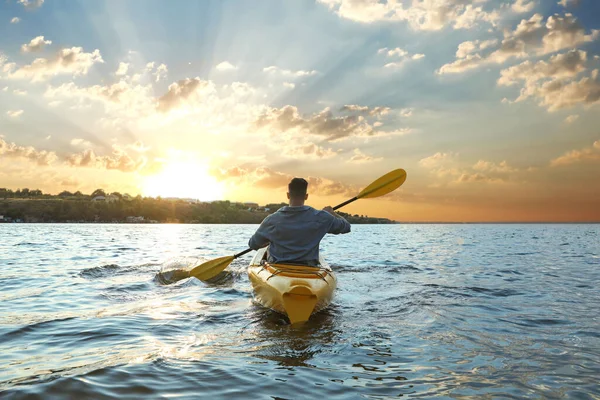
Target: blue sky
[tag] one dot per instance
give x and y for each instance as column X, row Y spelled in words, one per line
column 248, row 94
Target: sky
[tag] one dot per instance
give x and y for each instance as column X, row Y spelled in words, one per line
column 491, row 106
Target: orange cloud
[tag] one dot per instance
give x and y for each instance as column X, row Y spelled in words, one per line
column 576, row 156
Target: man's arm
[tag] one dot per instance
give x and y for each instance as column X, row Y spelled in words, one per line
column 259, row 239
column 338, row 224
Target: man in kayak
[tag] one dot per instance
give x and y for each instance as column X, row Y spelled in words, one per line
column 295, row 231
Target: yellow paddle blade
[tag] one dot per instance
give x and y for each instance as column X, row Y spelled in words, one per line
column 384, row 185
column 211, row 268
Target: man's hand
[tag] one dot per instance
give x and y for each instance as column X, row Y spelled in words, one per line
column 330, row 211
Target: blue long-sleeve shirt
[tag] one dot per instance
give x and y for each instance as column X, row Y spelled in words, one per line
column 294, row 234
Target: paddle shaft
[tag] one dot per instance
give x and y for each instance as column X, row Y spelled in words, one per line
column 241, row 253
column 344, row 203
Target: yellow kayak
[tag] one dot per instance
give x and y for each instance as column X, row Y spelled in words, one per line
column 297, row 291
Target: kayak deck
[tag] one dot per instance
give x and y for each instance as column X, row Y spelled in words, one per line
column 296, row 291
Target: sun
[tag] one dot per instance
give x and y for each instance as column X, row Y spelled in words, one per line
column 183, row 179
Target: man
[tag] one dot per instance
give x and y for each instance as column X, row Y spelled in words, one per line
column 295, row 231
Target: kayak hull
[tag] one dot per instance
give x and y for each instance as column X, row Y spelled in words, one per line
column 293, row 290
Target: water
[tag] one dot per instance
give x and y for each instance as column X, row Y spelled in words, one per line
column 421, row 311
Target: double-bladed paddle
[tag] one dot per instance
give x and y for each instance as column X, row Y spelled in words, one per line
column 384, row 185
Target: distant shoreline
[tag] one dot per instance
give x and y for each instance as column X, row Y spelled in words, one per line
column 355, row 223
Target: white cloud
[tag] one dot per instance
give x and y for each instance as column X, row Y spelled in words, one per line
column 523, row 6
column 564, row 65
column 182, row 91
column 556, row 95
column 466, row 48
column 36, row 44
column 308, row 151
column 289, row 73
column 365, row 110
column 119, row 160
column 589, row 154
column 15, row 20
column 571, row 118
column 421, row 15
column 437, row 160
column 552, row 84
column 20, row 92
column 265, row 177
column 14, row 113
column 72, row 61
column 225, row 66
column 289, row 85
column 122, row 97
column 567, row 3
column 41, row 158
column 406, row 112
column 401, row 55
column 324, row 124
column 80, row 142
column 161, row 72
column 530, row 37
column 488, row 166
column 360, row 158
column 122, row 70
column 31, row 4
column 446, row 166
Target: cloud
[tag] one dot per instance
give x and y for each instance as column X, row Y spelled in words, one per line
column 576, row 156
column 568, row 3
column 182, row 91
column 364, row 110
column 447, row 165
column 15, row 20
column 36, row 44
column 429, row 15
column 469, row 47
column 268, row 178
column 289, row 85
column 323, row 124
column 20, row 92
column 72, row 61
column 560, row 66
column 161, row 72
column 406, row 112
column 571, row 118
column 289, row 73
column 308, row 151
column 437, row 160
column 41, row 158
column 552, row 84
column 122, row 70
column 119, row 160
column 123, row 97
column 31, row 4
column 80, row 142
column 530, row 37
column 488, row 166
column 14, row 113
column 523, row 6
column 225, row 66
column 360, row 158
column 70, row 181
column 401, row 55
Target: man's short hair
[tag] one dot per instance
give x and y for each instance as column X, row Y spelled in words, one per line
column 297, row 187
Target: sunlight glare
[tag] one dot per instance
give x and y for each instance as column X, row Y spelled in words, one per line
column 183, row 179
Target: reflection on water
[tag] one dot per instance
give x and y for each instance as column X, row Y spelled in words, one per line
column 483, row 311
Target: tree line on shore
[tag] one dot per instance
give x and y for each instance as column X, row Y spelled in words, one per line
column 34, row 206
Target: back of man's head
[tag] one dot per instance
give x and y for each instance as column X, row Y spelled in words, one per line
column 297, row 188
